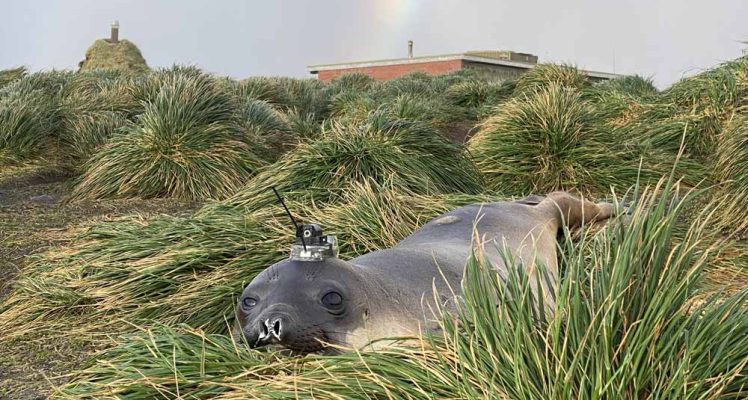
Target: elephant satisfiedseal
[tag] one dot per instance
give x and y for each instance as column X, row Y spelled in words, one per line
column 314, row 299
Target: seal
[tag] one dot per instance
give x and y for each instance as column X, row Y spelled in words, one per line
column 329, row 304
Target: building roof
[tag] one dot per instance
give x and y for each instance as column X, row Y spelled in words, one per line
column 444, row 57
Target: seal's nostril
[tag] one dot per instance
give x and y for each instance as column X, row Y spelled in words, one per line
column 264, row 331
column 277, row 328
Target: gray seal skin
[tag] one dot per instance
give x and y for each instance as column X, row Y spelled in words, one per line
column 325, row 306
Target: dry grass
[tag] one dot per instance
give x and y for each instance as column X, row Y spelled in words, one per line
column 123, row 56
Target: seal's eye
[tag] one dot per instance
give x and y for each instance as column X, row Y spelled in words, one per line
column 332, row 300
column 249, row 302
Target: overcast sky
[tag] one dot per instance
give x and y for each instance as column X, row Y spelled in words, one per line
column 663, row 39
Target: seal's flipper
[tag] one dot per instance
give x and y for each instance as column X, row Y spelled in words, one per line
column 575, row 212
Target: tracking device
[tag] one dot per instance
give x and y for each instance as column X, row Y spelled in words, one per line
column 310, row 244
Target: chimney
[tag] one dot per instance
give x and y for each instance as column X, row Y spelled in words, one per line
column 410, row 49
column 115, row 32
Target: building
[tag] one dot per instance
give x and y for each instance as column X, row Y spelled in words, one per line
column 491, row 65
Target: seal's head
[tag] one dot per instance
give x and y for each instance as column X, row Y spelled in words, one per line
column 303, row 305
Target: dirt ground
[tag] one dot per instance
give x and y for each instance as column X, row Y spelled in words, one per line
column 34, row 216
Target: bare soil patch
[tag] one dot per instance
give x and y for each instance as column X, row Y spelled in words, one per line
column 33, row 217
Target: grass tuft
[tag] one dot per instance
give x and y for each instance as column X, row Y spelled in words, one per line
column 185, row 145
column 552, row 140
column 731, row 172
column 543, row 76
column 7, row 76
column 122, row 56
column 414, row 154
column 632, row 85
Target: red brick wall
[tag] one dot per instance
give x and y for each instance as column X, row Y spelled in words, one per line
column 386, row 72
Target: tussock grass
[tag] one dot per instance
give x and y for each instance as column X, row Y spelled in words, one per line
column 145, row 88
column 414, row 83
column 731, row 172
column 414, row 154
column 545, row 75
column 26, row 123
column 437, row 112
column 305, row 102
column 352, row 104
column 354, row 108
column 70, row 113
column 308, row 96
column 89, row 104
column 86, row 133
column 123, row 56
column 713, row 91
column 130, row 94
column 7, row 76
column 451, row 103
column 185, row 145
column 29, row 113
column 670, row 132
column 259, row 88
column 552, row 140
column 632, row 85
column 95, row 106
column 303, row 125
column 476, row 94
column 266, row 128
column 51, row 83
column 623, row 327
column 201, row 357
column 355, row 82
column 143, row 270
column 707, row 101
column 305, row 95
column 728, row 270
